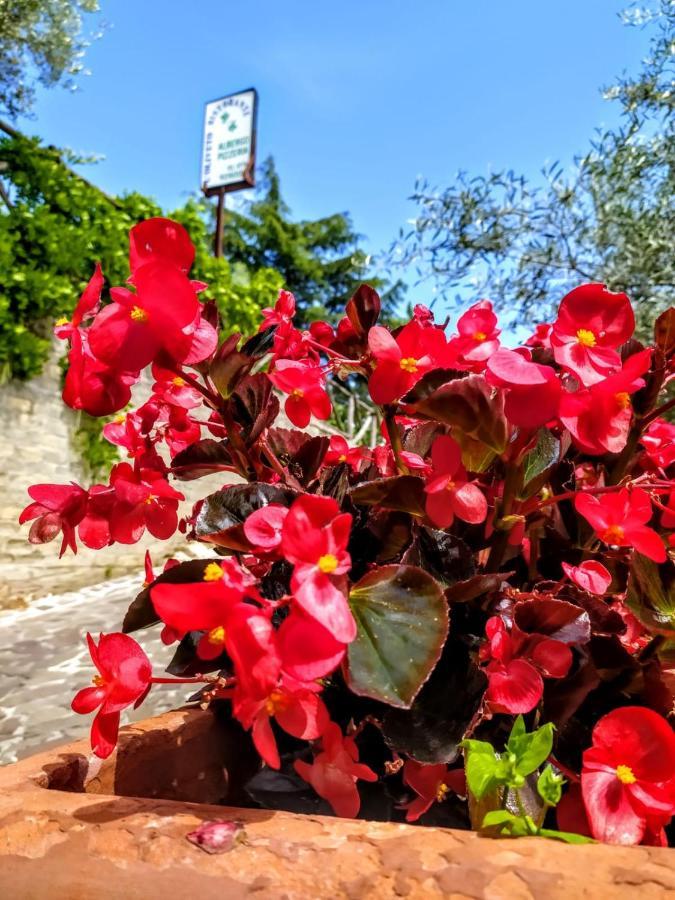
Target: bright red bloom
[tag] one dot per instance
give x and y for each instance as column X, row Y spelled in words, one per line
column 123, row 680
column 423, row 315
column 314, row 539
column 297, row 708
column 339, row 451
column 172, row 388
column 305, row 385
column 449, row 493
column 599, row 417
column 281, row 314
column 130, row 332
column 431, row 783
column 532, row 391
column 56, row 508
column 592, row 323
column 401, row 361
column 93, row 386
column 335, row 770
column 160, row 240
column 263, row 528
column 515, row 665
column 308, row 650
column 659, row 443
column 145, row 499
column 87, row 306
column 541, row 337
column 589, row 575
column 620, row 520
column 628, row 775
column 478, row 337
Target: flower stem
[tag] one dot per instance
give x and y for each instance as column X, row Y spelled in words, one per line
column 394, row 438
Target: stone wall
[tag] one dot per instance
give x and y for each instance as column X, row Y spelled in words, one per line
column 36, row 446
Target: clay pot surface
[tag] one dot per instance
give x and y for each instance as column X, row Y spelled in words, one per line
column 73, row 827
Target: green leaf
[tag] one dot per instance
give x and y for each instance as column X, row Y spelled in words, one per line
column 508, row 823
column 651, row 594
column 518, row 731
column 531, row 750
column 550, row 785
column 567, row 836
column 539, row 460
column 402, row 620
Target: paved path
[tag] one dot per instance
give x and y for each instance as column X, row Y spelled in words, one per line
column 44, row 660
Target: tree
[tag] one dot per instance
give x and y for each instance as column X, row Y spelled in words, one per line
column 612, row 220
column 40, row 41
column 320, row 260
column 55, row 226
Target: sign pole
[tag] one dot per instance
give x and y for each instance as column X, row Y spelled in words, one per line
column 220, row 219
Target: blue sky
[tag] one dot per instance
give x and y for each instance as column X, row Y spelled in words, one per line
column 356, row 98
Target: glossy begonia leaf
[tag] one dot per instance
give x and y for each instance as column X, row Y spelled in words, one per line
column 544, row 455
column 432, row 729
column 141, row 612
column 443, row 555
column 404, row 493
column 557, row 619
column 201, row 458
column 476, row 586
column 402, row 620
column 429, row 383
column 472, row 407
column 254, row 406
column 220, row 516
column 664, row 331
column 651, row 594
column 363, row 309
column 185, row 662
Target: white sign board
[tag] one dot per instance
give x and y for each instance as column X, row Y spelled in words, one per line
column 228, row 148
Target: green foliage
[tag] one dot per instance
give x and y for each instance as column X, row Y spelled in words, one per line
column 319, row 260
column 526, row 244
column 42, row 37
column 58, row 226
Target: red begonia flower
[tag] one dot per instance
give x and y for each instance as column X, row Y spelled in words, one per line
column 314, row 539
column 339, row 451
column 173, row 388
column 87, row 306
column 423, row 315
column 130, row 332
column 628, row 775
column 401, row 361
column 264, row 526
column 281, row 314
column 589, row 575
column 297, row 708
column 145, row 499
column 592, row 323
column 93, row 386
column 431, row 783
column 515, row 665
column 620, row 520
column 305, row 384
column 335, row 770
column 160, row 240
column 308, row 650
column 599, row 418
column 123, row 680
column 541, row 337
column 56, row 508
column 478, row 337
column 532, row 391
column 449, row 493
column 659, row 443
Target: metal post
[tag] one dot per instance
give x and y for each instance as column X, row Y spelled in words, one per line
column 220, row 217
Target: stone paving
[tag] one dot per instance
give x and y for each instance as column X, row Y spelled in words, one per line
column 44, row 660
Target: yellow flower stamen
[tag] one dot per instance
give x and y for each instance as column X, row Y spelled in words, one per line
column 213, row 572
column 98, row 680
column 64, row 320
column 409, row 364
column 586, row 337
column 613, row 535
column 623, row 399
column 342, row 457
column 625, row 775
column 296, row 393
column 441, row 791
column 178, row 381
column 138, row 314
column 327, row 563
column 479, row 336
column 151, row 498
column 216, row 636
column 276, row 702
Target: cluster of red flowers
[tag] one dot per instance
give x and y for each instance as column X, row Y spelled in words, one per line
column 510, row 535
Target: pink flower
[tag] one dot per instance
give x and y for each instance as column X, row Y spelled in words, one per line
column 314, row 539
column 620, row 520
column 532, row 391
column 590, row 576
column 592, row 323
column 335, row 770
column 449, row 493
column 305, row 385
column 628, row 775
column 124, row 675
column 401, row 361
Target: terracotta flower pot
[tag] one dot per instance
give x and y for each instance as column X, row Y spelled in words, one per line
column 74, row 827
